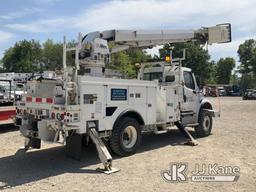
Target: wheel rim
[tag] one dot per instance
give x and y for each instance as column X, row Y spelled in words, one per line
column 206, row 123
column 129, row 137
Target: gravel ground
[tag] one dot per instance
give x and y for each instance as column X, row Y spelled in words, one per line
column 232, row 142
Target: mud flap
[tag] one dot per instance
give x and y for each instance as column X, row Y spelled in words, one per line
column 74, row 146
column 31, row 142
column 35, row 143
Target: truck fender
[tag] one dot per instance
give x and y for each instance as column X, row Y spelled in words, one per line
column 204, row 104
column 130, row 113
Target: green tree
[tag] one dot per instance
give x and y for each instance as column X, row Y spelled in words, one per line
column 30, row 56
column 224, row 70
column 212, row 73
column 247, row 82
column 24, row 56
column 121, row 62
column 234, row 79
column 52, row 55
column 125, row 61
column 138, row 55
column 247, row 56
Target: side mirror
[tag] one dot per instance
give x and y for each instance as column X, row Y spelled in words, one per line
column 169, row 78
column 199, row 82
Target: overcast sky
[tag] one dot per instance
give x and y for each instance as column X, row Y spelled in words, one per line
column 43, row 19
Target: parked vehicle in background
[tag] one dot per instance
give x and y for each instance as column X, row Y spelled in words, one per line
column 11, row 91
column 221, row 91
column 234, row 93
column 213, row 92
column 210, row 91
column 249, row 94
column 18, row 90
column 233, row 90
column 7, row 108
column 5, row 92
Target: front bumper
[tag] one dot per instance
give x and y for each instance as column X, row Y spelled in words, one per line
column 212, row 112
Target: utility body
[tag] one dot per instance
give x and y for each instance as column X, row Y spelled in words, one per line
column 72, row 107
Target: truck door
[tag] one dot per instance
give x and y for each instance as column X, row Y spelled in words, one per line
column 190, row 97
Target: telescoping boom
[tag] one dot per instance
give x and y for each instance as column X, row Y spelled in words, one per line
column 95, row 47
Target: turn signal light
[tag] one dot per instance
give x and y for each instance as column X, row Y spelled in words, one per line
column 62, row 116
column 53, row 115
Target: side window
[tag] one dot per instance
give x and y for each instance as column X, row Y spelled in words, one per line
column 188, row 79
column 153, row 76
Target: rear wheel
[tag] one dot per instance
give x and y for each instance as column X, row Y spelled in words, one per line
column 126, row 137
column 205, row 124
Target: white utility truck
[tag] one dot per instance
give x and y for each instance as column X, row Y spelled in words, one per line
column 75, row 107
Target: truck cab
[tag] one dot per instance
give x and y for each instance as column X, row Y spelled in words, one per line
column 191, row 101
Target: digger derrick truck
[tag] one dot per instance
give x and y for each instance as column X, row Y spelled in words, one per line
column 76, row 108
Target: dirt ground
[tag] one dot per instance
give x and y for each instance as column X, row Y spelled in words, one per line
column 232, row 143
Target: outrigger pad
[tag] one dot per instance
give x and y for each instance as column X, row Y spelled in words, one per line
column 108, row 171
column 74, row 146
column 191, row 142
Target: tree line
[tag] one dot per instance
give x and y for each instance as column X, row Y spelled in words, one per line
column 31, row 56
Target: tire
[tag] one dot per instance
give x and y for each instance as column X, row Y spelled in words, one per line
column 205, row 124
column 126, row 137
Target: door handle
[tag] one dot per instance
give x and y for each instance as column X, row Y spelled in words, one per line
column 185, row 98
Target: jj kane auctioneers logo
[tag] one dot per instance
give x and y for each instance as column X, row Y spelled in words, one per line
column 178, row 172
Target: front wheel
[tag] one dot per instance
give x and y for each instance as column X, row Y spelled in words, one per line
column 205, row 124
column 125, row 137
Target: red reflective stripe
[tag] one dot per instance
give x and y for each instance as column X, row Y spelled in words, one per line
column 38, row 100
column 29, row 99
column 49, row 100
column 4, row 115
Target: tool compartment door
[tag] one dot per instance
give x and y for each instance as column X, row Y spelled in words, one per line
column 170, row 104
column 151, row 105
column 92, row 101
column 138, row 101
column 137, row 95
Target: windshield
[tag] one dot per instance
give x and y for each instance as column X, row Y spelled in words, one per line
column 152, row 76
column 19, row 87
